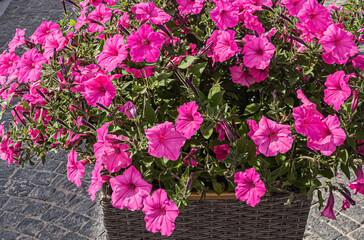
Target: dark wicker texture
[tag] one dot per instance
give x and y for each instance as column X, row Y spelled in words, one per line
column 216, row 219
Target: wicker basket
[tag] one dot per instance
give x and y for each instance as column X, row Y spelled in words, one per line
column 215, row 219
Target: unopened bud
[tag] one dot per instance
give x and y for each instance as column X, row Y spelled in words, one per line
column 354, row 103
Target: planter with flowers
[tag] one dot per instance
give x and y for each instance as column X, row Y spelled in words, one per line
column 169, row 103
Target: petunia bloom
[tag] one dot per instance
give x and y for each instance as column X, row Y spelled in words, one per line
column 293, row 6
column 188, row 119
column 17, row 40
column 75, row 169
column 54, row 41
column 329, row 209
column 149, row 11
column 225, row 14
column 249, row 186
column 145, row 44
column 258, row 53
column 243, row 77
column 44, row 30
column 99, row 90
column 160, row 213
column 315, row 16
column 221, row 151
column 338, row 45
column 358, row 184
column 358, row 62
column 253, row 127
column 96, row 181
column 224, row 45
column 129, row 190
column 113, row 54
column 272, row 137
column 307, row 123
column 337, row 89
column 332, row 136
column 165, row 141
column 129, row 110
column 190, row 6
column 190, row 159
column 30, row 65
column 8, row 63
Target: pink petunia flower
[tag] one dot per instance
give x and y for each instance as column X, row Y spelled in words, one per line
column 293, row 6
column 190, row 159
column 129, row 190
column 96, row 181
column 147, row 71
column 258, row 53
column 243, row 77
column 149, row 11
column 358, row 62
column 188, row 119
column 44, row 30
column 249, row 187
column 329, row 209
column 272, row 137
column 332, row 136
column 145, row 44
column 17, row 40
column 358, row 184
column 165, row 141
column 75, row 169
column 113, row 54
column 251, row 22
column 99, row 90
column 307, row 123
column 221, row 151
column 30, row 65
column 259, row 74
column 220, row 130
column 160, row 213
column 190, row 6
column 129, row 110
column 337, row 89
column 345, row 205
column 306, row 103
column 8, row 153
column 338, row 45
column 224, row 45
column 315, row 16
column 8, row 64
column 253, row 127
column 54, row 41
column 225, row 14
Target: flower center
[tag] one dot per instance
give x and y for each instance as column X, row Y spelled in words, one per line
column 48, row 31
column 327, row 132
column 145, row 41
column 132, row 186
column 162, row 211
column 312, row 15
column 272, row 135
column 10, row 63
column 252, row 185
column 260, row 51
column 33, row 65
column 161, row 138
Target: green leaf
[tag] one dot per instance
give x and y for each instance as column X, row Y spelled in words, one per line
column 345, row 168
column 213, row 91
column 150, row 114
column 320, row 199
column 186, row 62
column 9, row 98
column 207, row 129
column 115, row 7
column 351, row 142
column 218, row 187
column 241, row 145
column 72, row 22
column 198, row 68
column 217, row 99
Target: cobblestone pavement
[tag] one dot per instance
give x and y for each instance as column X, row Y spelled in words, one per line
column 40, row 203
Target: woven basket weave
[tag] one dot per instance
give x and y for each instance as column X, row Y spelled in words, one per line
column 215, row 219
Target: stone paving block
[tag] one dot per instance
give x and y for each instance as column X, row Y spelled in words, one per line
column 102, row 237
column 91, row 229
column 4, row 184
column 48, row 166
column 94, row 212
column 322, row 229
column 344, row 238
column 36, row 209
column 55, row 213
column 3, row 200
column 21, row 189
column 61, row 198
column 41, row 192
column 6, row 235
column 344, row 224
column 52, row 232
column 25, row 237
column 43, row 178
column 354, row 213
column 30, row 226
column 81, row 204
column 358, row 234
column 73, row 236
column 16, row 204
column 74, row 221
column 22, row 174
column 9, row 220
column 5, row 172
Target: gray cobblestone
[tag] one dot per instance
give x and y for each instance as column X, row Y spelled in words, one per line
column 52, row 232
column 41, row 192
column 73, row 236
column 10, row 220
column 30, row 226
column 42, row 178
column 6, row 235
column 74, row 222
column 16, row 204
column 21, row 189
column 358, row 234
column 55, row 213
column 36, row 209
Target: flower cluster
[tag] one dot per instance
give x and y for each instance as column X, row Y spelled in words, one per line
column 159, row 99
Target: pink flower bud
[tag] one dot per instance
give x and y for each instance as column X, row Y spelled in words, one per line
column 354, row 103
